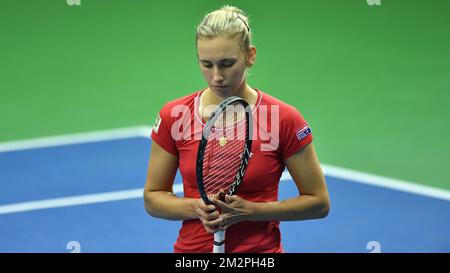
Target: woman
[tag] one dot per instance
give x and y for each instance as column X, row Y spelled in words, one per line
column 251, row 217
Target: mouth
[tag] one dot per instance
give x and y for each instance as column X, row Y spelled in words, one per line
column 220, row 86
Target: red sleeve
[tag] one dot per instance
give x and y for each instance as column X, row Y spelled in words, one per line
column 161, row 132
column 295, row 132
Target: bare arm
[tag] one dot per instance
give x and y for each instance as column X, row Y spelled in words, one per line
column 312, row 203
column 159, row 199
column 313, row 200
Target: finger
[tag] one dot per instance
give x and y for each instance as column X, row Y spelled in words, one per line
column 210, row 198
column 221, row 195
column 210, row 208
column 228, row 198
column 216, row 222
column 222, row 206
column 211, row 216
column 231, row 198
column 219, row 203
column 200, row 213
column 207, row 208
column 229, row 222
column 211, row 230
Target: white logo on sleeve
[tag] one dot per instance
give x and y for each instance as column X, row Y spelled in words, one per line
column 157, row 123
column 303, row 132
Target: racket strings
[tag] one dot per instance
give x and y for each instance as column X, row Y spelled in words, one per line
column 224, row 161
column 223, row 153
column 221, row 176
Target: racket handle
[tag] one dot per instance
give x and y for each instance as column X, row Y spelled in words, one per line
column 219, row 242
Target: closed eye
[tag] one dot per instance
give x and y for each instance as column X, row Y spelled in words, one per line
column 228, row 63
column 207, row 64
column 222, row 63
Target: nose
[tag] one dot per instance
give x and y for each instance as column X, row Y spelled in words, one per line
column 217, row 75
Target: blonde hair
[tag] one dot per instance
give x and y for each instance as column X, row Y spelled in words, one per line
column 229, row 21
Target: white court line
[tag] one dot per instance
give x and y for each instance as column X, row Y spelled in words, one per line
column 385, row 182
column 78, row 200
column 178, row 189
column 44, row 142
column 144, row 131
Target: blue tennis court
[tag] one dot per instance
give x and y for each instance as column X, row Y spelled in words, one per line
column 91, row 194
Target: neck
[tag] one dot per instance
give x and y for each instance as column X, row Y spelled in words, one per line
column 212, row 97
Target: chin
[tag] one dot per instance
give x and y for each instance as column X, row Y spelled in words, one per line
column 221, row 90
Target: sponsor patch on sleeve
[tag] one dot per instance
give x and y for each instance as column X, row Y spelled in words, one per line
column 157, row 123
column 303, row 132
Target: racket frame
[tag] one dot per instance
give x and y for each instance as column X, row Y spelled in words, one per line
column 219, row 236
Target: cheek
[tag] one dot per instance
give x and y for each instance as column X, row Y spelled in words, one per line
column 238, row 74
column 205, row 73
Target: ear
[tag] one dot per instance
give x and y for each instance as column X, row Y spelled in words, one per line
column 251, row 56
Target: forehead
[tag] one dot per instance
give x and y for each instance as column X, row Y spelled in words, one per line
column 218, row 48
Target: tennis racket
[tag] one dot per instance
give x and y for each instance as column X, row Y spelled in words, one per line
column 224, row 153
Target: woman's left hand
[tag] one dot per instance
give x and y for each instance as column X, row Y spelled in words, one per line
column 234, row 210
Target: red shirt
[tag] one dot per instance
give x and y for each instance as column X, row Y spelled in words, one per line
column 276, row 138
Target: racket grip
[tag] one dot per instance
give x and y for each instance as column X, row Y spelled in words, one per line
column 219, row 242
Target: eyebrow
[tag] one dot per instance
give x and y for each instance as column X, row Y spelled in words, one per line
column 223, row 60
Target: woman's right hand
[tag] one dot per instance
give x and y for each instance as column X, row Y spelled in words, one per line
column 207, row 214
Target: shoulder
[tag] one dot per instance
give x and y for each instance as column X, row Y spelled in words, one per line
column 285, row 110
column 169, row 114
column 293, row 130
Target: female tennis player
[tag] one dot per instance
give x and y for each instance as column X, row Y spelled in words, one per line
column 281, row 138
